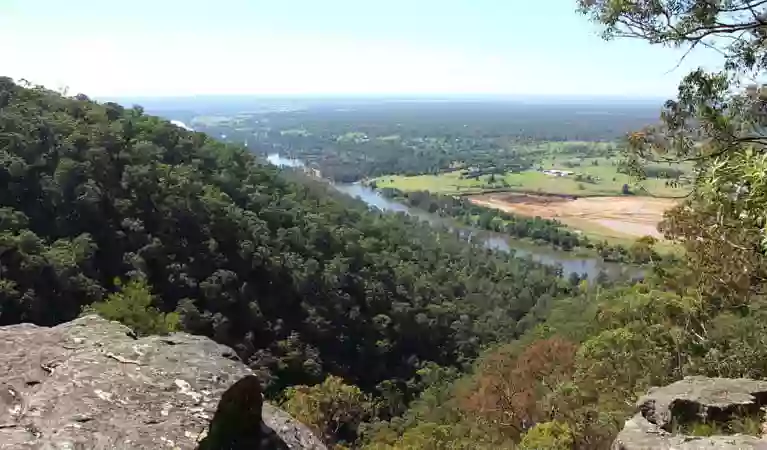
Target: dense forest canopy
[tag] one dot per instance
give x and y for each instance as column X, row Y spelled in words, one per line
column 106, row 208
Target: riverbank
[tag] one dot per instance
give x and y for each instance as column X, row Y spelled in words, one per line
column 571, row 262
column 598, row 210
column 537, row 230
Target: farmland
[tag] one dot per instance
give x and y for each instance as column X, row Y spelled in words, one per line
column 593, row 177
column 591, row 194
column 474, row 150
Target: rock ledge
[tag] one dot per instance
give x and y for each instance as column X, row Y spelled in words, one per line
column 90, row 384
column 695, row 400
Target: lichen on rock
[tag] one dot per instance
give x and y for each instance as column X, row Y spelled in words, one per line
column 90, row 384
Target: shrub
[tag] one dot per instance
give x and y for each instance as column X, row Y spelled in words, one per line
column 132, row 306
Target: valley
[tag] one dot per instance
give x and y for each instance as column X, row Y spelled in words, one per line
column 383, row 225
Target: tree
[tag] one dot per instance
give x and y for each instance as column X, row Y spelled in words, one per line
column 132, row 306
column 333, row 408
column 641, row 250
column 716, row 123
column 548, row 436
column 515, row 392
column 300, row 281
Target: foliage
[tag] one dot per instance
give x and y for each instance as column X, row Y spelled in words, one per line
column 596, row 353
column 716, row 123
column 512, row 392
column 332, row 408
column 548, row 436
column 389, row 313
column 303, row 283
column 132, row 305
column 488, row 218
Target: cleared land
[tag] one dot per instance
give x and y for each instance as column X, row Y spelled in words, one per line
column 618, row 217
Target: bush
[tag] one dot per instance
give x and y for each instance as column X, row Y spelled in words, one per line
column 333, row 409
column 132, row 306
column 548, row 436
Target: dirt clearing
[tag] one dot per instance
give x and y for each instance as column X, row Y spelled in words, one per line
column 625, row 216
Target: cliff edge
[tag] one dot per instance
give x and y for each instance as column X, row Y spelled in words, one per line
column 91, row 384
column 699, row 413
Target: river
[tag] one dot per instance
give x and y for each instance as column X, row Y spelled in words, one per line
column 570, row 262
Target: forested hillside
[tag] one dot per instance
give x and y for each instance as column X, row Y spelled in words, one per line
column 377, row 331
column 571, row 382
column 163, row 228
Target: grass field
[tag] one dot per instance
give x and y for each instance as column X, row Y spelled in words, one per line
column 447, row 183
column 608, row 182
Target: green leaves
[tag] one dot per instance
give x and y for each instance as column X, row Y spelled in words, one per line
column 132, row 306
column 548, row 436
column 333, row 408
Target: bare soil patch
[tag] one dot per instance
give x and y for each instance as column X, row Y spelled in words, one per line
column 628, row 216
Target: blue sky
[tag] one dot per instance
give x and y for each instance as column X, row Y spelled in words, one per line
column 428, row 47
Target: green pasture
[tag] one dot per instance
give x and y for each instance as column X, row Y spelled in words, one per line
column 606, row 181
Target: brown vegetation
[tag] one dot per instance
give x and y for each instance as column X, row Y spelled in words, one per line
column 511, row 392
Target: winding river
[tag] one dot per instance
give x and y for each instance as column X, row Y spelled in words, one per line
column 570, row 262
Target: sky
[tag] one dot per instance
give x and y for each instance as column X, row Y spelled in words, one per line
column 328, row 47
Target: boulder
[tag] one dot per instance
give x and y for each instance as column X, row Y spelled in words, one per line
column 666, row 413
column 91, row 384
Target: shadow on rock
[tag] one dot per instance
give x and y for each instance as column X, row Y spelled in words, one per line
column 237, row 424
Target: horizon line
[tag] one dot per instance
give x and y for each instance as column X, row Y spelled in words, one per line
column 393, row 96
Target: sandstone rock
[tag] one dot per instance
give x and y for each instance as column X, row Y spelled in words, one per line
column 694, row 399
column 90, row 384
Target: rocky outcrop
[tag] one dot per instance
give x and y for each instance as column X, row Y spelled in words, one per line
column 667, row 416
column 91, row 384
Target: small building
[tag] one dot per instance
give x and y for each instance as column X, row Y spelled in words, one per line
column 558, row 173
